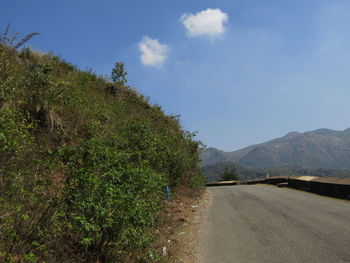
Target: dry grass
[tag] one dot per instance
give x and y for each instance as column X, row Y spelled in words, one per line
column 179, row 228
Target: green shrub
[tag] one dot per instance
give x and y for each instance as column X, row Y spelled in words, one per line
column 111, row 202
column 82, row 171
column 229, row 175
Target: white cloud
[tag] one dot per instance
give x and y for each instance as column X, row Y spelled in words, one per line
column 209, row 22
column 153, row 53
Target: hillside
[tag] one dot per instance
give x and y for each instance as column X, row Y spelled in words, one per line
column 211, row 156
column 84, row 161
column 321, row 148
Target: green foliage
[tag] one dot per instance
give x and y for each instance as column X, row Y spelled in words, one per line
column 82, row 173
column 119, row 73
column 229, row 175
column 14, row 136
column 30, row 258
column 111, row 202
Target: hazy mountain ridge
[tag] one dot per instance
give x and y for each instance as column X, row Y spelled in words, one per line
column 213, row 172
column 322, row 148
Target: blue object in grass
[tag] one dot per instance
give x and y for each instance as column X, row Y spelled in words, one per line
column 167, row 193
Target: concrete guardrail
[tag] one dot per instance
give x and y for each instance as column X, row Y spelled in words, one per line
column 329, row 186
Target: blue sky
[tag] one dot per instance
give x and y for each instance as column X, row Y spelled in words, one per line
column 239, row 72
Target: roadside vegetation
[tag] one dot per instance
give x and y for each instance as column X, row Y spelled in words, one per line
column 83, row 161
column 229, row 174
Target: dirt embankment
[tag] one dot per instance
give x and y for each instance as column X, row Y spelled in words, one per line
column 178, row 238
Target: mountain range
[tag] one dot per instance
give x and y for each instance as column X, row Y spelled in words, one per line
column 322, row 148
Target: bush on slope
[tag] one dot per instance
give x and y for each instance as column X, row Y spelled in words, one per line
column 82, row 169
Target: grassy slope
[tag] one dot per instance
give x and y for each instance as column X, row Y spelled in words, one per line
column 82, row 170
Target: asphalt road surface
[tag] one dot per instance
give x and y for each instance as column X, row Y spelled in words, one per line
column 260, row 223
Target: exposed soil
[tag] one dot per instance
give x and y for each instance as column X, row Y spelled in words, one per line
column 178, row 236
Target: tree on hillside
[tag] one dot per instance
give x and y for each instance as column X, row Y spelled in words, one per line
column 119, row 73
column 229, row 175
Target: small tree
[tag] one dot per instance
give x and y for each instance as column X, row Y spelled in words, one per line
column 229, row 175
column 119, row 73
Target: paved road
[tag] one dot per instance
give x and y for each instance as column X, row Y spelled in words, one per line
column 267, row 224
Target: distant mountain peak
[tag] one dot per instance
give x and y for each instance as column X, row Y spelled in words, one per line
column 212, row 155
column 213, row 149
column 321, row 148
column 324, row 131
column 292, row 134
